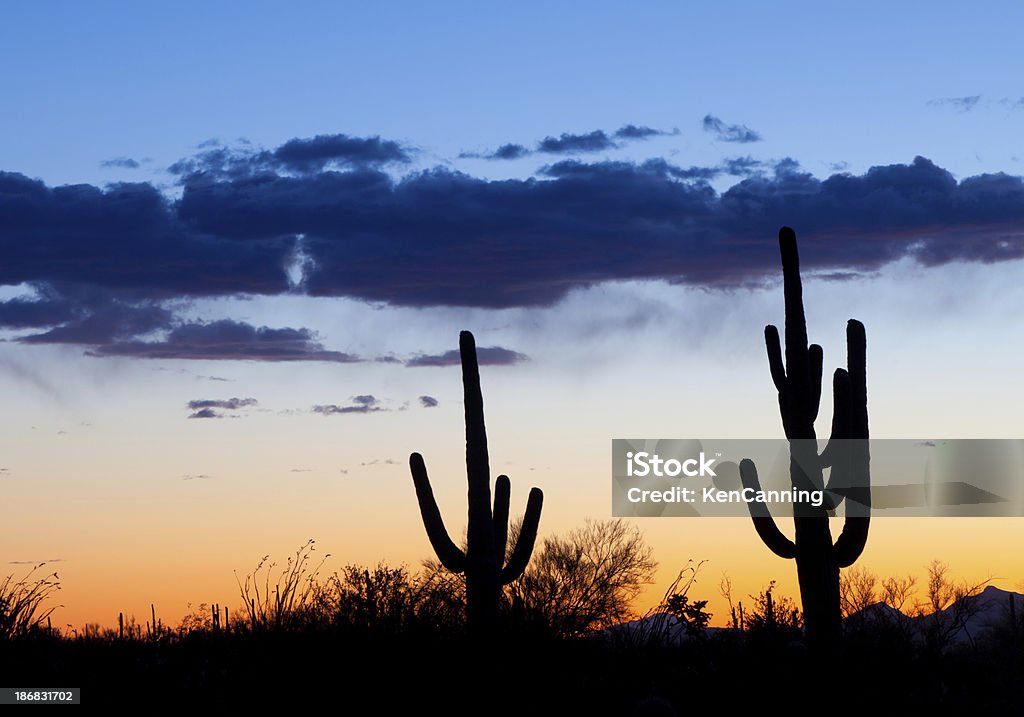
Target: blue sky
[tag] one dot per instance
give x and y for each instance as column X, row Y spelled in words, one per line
column 822, row 84
column 249, row 211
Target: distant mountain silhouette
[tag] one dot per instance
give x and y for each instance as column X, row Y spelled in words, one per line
column 975, row 617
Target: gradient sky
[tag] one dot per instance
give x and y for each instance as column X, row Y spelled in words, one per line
column 239, row 243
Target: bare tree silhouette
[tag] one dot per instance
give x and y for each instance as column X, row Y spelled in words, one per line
column 587, row 579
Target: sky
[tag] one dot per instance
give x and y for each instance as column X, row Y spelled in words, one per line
column 239, row 243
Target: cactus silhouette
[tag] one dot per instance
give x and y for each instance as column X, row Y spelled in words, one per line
column 483, row 561
column 798, row 382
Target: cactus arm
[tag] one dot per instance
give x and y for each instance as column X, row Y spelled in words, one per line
column 850, row 543
column 814, row 360
column 840, row 419
column 527, row 537
column 502, row 490
column 447, row 552
column 764, row 523
column 837, row 452
column 771, row 342
column 856, row 364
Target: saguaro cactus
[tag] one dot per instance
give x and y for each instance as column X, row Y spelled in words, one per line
column 798, row 382
column 483, row 561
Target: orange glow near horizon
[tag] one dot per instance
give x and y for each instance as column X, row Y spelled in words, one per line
column 95, row 590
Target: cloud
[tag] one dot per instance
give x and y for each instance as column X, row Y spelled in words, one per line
column 125, row 238
column 729, row 132
column 299, row 155
column 227, row 340
column 742, row 166
column 567, row 143
column 505, row 151
column 486, row 356
column 365, row 403
column 230, row 404
column 206, row 413
column 200, row 476
column 962, row 104
column 428, row 401
column 36, row 562
column 308, row 155
column 632, row 131
column 107, row 265
column 120, row 163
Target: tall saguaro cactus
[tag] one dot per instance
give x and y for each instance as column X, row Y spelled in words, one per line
column 483, row 561
column 798, row 382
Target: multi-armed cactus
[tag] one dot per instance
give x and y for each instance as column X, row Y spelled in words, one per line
column 818, row 560
column 483, row 561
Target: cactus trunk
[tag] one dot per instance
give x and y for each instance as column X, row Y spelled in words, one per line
column 798, row 382
column 483, row 560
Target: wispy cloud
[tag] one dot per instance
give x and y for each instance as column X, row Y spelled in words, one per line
column 428, row 401
column 486, row 356
column 723, row 132
column 228, row 340
column 366, row 403
column 229, row 404
column 120, row 163
column 209, row 407
column 961, row 104
column 572, row 143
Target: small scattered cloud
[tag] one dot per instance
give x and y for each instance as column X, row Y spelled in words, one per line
column 313, row 155
column 568, row 143
column 228, row 340
column 960, row 104
column 120, row 163
column 366, row 403
column 485, row 355
column 379, row 462
column 742, row 166
column 200, row 476
column 229, row 404
column 206, row 413
column 632, row 131
column 428, row 401
column 300, row 155
column 571, row 143
column 301, row 470
column 505, row 151
column 36, row 562
column 723, row 132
